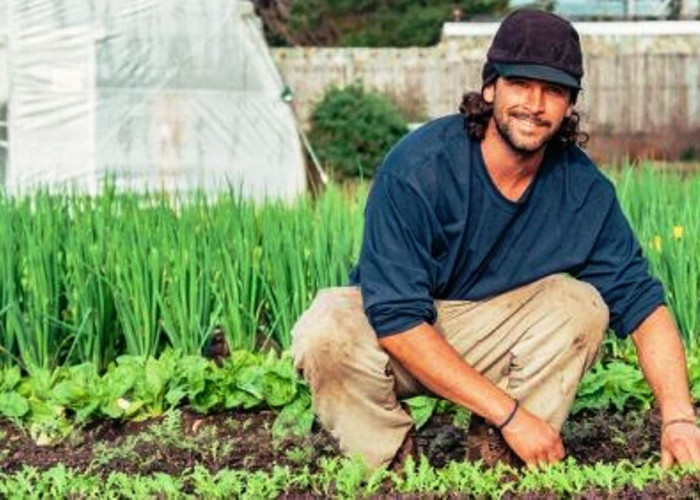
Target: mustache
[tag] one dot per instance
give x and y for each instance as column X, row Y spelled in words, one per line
column 522, row 115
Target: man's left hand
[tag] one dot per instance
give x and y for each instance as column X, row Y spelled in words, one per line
column 680, row 443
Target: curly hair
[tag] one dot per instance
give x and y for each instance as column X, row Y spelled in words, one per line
column 477, row 113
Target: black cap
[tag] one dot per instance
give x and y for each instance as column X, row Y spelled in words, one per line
column 535, row 44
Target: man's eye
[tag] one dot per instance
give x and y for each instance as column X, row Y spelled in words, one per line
column 555, row 91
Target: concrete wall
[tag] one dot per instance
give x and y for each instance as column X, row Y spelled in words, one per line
column 641, row 85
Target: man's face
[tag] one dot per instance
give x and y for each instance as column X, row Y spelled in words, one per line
column 528, row 113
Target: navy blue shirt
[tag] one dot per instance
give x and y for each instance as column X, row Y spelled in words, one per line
column 436, row 227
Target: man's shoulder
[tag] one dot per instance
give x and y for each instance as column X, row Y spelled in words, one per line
column 430, row 147
column 585, row 180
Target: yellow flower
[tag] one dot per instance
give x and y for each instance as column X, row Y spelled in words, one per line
column 656, row 243
column 678, row 232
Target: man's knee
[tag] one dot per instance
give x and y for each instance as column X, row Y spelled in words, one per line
column 320, row 326
column 581, row 305
column 326, row 336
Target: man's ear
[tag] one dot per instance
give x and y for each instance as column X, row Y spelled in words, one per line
column 569, row 110
column 489, row 92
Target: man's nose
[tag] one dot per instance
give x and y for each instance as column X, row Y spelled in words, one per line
column 536, row 99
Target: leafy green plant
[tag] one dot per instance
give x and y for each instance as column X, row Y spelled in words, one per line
column 421, row 478
column 137, row 388
column 616, row 384
column 421, row 409
column 12, row 405
column 348, row 478
column 352, row 129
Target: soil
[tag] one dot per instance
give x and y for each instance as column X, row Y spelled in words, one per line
column 239, row 439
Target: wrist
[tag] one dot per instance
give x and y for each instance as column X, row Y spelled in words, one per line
column 677, row 410
column 511, row 415
column 678, row 421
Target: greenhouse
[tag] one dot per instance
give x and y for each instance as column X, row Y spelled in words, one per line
column 157, row 95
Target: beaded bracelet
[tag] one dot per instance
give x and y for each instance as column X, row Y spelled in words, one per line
column 677, row 421
column 510, row 417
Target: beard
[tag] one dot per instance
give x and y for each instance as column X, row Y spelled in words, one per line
column 506, row 123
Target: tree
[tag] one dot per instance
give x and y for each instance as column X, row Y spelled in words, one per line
column 397, row 23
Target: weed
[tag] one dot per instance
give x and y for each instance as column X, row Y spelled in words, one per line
column 169, row 431
column 104, row 454
column 231, row 424
column 300, row 454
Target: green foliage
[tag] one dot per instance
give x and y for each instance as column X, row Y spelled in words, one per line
column 160, row 437
column 12, row 405
column 130, row 274
column 615, row 384
column 418, row 25
column 111, row 291
column 385, row 23
column 661, row 208
column 295, row 418
column 690, row 154
column 137, row 388
column 352, row 130
column 51, row 404
column 349, row 478
column 421, row 409
column 125, row 274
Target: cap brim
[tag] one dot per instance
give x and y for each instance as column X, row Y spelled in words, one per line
column 538, row 72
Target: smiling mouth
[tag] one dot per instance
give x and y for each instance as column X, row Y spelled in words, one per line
column 530, row 120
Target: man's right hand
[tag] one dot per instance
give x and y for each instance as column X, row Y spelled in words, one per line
column 426, row 355
column 532, row 439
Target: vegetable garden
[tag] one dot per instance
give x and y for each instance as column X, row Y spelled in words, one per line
column 107, row 305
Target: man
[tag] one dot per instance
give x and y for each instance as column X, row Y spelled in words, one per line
column 495, row 255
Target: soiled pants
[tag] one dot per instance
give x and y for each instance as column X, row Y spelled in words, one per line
column 534, row 342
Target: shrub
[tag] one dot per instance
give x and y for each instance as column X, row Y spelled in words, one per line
column 352, row 130
column 690, row 154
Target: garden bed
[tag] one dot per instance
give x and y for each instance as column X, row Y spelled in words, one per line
column 240, row 440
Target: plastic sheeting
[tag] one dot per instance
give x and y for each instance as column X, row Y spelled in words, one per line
column 158, row 94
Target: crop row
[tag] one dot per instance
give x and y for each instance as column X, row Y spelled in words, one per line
column 51, row 403
column 92, row 278
column 346, row 478
column 89, row 279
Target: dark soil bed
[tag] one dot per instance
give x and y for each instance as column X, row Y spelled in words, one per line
column 238, row 439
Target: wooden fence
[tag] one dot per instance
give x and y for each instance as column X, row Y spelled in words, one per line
column 641, row 91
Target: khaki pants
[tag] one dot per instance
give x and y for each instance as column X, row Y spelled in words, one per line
column 534, row 342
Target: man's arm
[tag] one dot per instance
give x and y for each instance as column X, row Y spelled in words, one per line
column 662, row 359
column 425, row 354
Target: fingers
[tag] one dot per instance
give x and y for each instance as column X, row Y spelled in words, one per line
column 666, row 459
column 535, row 441
column 561, row 452
column 685, row 455
column 553, row 453
column 556, row 452
column 695, row 455
column 680, row 445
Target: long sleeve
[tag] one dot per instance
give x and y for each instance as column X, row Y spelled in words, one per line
column 396, row 265
column 617, row 268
